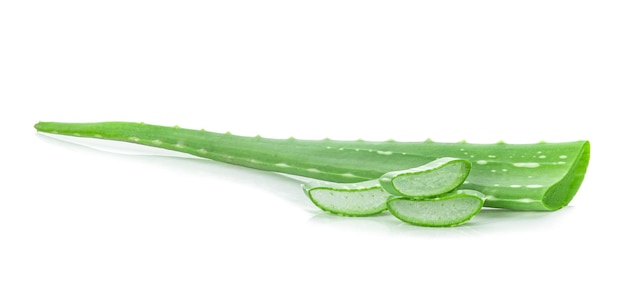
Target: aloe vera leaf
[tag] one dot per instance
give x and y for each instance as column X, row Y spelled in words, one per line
column 348, row 199
column 434, row 178
column 447, row 210
column 543, row 176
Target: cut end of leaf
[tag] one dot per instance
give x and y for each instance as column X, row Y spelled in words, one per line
column 560, row 194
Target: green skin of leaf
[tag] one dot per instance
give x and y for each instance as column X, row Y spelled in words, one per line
column 543, row 176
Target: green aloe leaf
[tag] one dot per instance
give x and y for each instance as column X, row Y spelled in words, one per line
column 542, row 176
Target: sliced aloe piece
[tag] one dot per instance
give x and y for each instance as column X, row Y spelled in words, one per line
column 348, row 199
column 448, row 210
column 432, row 179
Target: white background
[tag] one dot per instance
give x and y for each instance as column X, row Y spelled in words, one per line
column 82, row 223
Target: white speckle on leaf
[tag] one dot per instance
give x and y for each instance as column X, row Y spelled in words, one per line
column 282, row 165
column 179, row 145
column 515, row 186
column 384, row 152
column 158, row 142
column 561, row 163
column 134, row 139
column 348, row 175
column 491, row 156
column 526, row 165
column 534, row 186
column 505, row 170
column 563, row 156
column 542, row 156
column 313, row 170
column 201, row 151
column 481, row 162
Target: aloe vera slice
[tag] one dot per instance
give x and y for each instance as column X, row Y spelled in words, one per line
column 348, row 199
column 434, row 178
column 370, row 197
column 448, row 210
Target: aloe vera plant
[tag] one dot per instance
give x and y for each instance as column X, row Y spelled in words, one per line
column 542, row 176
